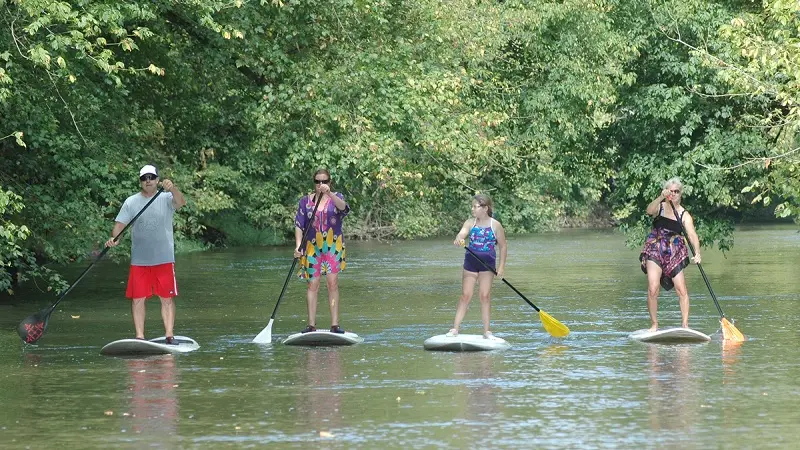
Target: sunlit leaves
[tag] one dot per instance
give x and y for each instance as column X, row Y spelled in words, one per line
column 762, row 61
column 414, row 106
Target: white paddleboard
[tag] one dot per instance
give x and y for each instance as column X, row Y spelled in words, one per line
column 465, row 343
column 323, row 338
column 157, row 346
column 670, row 336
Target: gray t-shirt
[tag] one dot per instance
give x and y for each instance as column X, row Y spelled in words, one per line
column 151, row 234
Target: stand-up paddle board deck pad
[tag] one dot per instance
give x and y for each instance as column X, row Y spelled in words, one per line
column 670, row 336
column 465, row 343
column 157, row 346
column 323, row 339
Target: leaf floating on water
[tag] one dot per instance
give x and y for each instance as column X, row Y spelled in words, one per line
column 108, row 412
column 75, row 317
column 325, row 434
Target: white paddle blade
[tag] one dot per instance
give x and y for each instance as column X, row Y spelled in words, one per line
column 265, row 337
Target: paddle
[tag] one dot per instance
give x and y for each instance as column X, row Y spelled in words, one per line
column 33, row 327
column 728, row 330
column 553, row 326
column 265, row 336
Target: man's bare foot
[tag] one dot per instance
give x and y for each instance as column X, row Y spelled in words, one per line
column 452, row 333
column 653, row 327
column 487, row 335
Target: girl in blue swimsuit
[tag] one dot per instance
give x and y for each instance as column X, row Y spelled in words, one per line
column 487, row 239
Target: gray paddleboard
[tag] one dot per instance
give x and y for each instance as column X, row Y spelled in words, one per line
column 465, row 343
column 670, row 336
column 157, row 346
column 323, row 338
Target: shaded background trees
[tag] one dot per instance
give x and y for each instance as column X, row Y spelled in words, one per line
column 557, row 110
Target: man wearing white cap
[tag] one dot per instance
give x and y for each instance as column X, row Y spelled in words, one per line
column 152, row 268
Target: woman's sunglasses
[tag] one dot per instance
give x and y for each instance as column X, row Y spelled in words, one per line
column 321, row 181
column 148, row 177
column 675, row 191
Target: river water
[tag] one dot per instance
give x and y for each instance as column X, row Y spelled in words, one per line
column 593, row 389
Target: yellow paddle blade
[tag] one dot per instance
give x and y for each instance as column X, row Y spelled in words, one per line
column 553, row 326
column 730, row 332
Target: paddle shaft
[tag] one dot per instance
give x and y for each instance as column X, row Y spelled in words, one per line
column 504, row 280
column 294, row 261
column 691, row 247
column 33, row 327
column 103, row 253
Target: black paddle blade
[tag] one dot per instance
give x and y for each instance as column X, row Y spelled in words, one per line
column 32, row 328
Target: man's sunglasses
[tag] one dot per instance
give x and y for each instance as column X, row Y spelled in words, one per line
column 148, row 177
column 321, row 181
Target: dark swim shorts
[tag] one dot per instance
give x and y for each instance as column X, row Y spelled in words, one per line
column 472, row 264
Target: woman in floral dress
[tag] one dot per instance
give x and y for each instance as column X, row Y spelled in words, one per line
column 324, row 252
column 664, row 255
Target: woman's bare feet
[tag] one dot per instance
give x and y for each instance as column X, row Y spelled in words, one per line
column 452, row 333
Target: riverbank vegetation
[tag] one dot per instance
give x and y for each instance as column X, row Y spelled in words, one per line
column 555, row 109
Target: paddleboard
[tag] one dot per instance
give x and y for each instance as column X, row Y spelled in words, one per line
column 670, row 336
column 157, row 346
column 323, row 338
column 465, row 343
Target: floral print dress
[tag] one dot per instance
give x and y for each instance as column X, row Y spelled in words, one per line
column 325, row 249
column 665, row 247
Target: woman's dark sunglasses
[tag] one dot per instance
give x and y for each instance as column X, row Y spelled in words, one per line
column 321, row 181
column 148, row 177
column 675, row 191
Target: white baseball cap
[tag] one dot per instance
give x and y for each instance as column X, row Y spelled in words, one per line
column 148, row 169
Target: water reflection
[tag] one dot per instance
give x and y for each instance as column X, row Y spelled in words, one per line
column 153, row 404
column 592, row 391
column 32, row 360
column 553, row 351
column 320, row 405
column 673, row 388
column 478, row 370
column 731, row 354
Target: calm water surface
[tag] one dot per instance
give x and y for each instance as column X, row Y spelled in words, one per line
column 594, row 389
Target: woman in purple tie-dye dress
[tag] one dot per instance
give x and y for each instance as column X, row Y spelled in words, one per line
column 324, row 253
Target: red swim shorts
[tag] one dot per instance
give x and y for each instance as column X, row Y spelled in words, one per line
column 144, row 281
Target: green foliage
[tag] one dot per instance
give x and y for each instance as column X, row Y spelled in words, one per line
column 232, row 229
column 17, row 263
column 670, row 122
column 413, row 105
column 761, row 60
column 11, row 236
